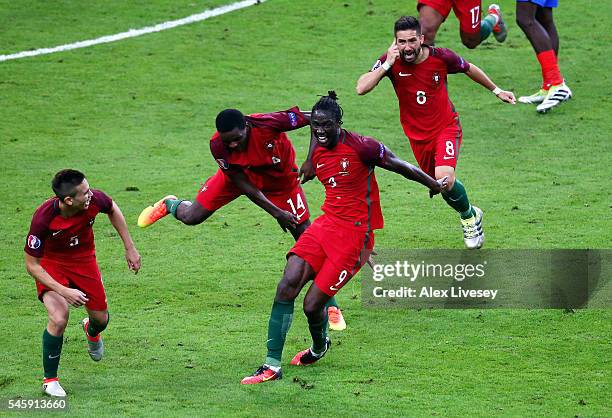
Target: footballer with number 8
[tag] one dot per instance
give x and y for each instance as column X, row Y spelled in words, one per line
column 61, row 256
column 256, row 159
column 333, row 249
column 418, row 74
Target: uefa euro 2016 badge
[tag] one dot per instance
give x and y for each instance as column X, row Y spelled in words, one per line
column 344, row 164
column 34, row 242
column 435, row 80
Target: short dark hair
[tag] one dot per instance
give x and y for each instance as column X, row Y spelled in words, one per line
column 330, row 103
column 65, row 182
column 229, row 119
column 407, row 23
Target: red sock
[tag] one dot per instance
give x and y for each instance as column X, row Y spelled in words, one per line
column 551, row 75
column 51, row 379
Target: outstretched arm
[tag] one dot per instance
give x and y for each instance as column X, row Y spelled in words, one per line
column 369, row 80
column 411, row 172
column 284, row 218
column 481, row 78
column 131, row 254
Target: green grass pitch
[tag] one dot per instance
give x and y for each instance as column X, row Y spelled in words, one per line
column 139, row 114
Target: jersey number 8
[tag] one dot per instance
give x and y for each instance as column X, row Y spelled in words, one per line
column 421, row 98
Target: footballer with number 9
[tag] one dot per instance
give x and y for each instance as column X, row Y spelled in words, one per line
column 61, row 256
column 338, row 243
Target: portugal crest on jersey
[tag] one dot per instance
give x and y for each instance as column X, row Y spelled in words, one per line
column 344, row 164
column 435, row 80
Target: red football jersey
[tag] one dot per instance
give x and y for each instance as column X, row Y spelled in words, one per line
column 54, row 237
column 425, row 108
column 347, row 172
column 269, row 158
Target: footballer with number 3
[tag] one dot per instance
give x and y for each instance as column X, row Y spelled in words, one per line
column 61, row 256
column 256, row 159
column 333, row 249
column 418, row 74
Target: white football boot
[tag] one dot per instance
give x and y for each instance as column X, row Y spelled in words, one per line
column 473, row 235
column 53, row 388
column 536, row 98
column 556, row 95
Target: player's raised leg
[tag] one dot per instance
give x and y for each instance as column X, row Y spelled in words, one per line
column 52, row 341
column 297, row 273
column 93, row 325
column 155, row 212
column 500, row 30
column 472, row 29
column 189, row 213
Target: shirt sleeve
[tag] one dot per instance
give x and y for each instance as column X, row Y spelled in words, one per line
column 454, row 63
column 283, row 121
column 371, row 151
column 379, row 62
column 102, row 200
column 38, row 233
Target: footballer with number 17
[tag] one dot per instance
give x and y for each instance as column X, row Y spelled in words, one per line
column 431, row 123
column 61, row 256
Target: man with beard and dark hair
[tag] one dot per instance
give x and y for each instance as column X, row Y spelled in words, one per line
column 418, row 74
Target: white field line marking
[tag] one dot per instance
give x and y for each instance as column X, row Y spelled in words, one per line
column 135, row 32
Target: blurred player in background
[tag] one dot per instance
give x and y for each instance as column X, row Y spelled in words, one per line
column 535, row 17
column 61, row 256
column 419, row 76
column 333, row 249
column 256, row 159
column 471, row 29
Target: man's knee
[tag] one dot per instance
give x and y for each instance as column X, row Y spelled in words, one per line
column 99, row 320
column 429, row 31
column 450, row 177
column 287, row 289
column 525, row 21
column 470, row 40
column 313, row 309
column 58, row 322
